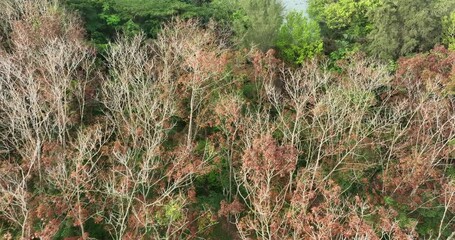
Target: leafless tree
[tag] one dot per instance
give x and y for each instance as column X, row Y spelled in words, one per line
column 41, row 75
column 140, row 98
column 199, row 54
column 14, row 200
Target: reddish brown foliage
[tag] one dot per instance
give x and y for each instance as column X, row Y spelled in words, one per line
column 265, row 157
column 433, row 72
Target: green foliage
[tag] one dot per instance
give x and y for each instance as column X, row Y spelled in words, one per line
column 338, row 15
column 450, row 171
column 94, row 13
column 344, row 50
column 299, row 38
column 104, row 18
column 427, row 219
column 342, row 14
column 359, row 98
column 403, row 27
column 257, row 22
column 171, row 211
column 66, row 230
column 209, row 187
column 403, row 219
column 344, row 24
column 432, row 219
column 387, row 29
column 448, row 25
column 95, row 230
column 250, row 91
column 224, row 10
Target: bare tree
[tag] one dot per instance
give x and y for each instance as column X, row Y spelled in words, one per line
column 140, row 98
column 76, row 176
column 199, row 54
column 14, row 201
column 39, row 73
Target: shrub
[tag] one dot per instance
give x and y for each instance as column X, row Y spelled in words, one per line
column 299, row 38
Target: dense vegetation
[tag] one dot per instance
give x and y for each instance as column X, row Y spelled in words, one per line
column 227, row 120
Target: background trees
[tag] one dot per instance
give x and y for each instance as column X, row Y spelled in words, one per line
column 256, row 23
column 299, row 38
column 344, row 24
column 404, row 27
column 385, row 29
column 449, row 30
column 104, row 18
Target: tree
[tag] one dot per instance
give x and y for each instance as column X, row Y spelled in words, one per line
column 403, row 27
column 44, row 72
column 146, row 141
column 257, row 22
column 299, row 38
column 152, row 196
column 105, row 18
column 448, row 25
column 344, row 24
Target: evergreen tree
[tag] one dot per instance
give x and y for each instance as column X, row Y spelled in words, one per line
column 257, row 22
column 401, row 27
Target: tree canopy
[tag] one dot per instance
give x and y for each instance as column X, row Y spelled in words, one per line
column 225, row 119
column 299, row 38
column 104, row 18
column 403, row 27
column 257, row 22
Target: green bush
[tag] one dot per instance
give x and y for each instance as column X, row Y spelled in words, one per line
column 448, row 24
column 344, row 23
column 299, row 38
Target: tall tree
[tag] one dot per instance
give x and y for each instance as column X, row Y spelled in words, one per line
column 344, row 23
column 405, row 26
column 448, row 25
column 258, row 21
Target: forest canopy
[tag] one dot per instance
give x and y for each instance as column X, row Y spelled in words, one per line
column 227, row 119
